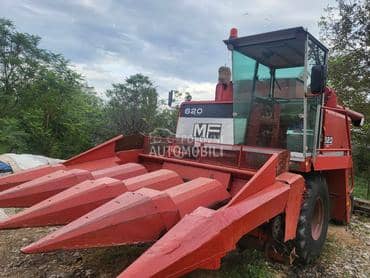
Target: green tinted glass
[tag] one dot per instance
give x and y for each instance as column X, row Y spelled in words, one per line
column 267, row 113
column 243, row 73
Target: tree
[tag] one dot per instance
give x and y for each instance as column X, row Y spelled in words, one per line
column 132, row 106
column 345, row 29
column 20, row 58
column 167, row 117
column 45, row 107
column 60, row 118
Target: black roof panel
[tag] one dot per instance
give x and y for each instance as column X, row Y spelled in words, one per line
column 277, row 49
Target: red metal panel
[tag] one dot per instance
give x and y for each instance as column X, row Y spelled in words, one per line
column 202, row 238
column 232, row 170
column 294, row 204
column 335, row 127
column 262, row 179
column 332, row 162
column 10, row 181
column 82, row 198
column 236, row 185
column 68, row 205
column 199, row 192
column 104, row 150
column 120, row 172
column 129, row 155
column 93, row 165
column 32, row 192
column 35, row 191
column 190, row 173
column 357, row 118
column 159, row 180
column 301, row 166
column 339, row 192
column 101, row 156
column 132, row 217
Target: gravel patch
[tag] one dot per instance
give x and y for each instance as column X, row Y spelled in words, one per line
column 346, row 254
column 3, row 214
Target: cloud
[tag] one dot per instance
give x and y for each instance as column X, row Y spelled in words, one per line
column 113, row 69
column 177, row 43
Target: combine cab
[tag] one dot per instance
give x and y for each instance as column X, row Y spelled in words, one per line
column 267, row 163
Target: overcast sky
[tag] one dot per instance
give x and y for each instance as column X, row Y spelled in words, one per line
column 177, row 43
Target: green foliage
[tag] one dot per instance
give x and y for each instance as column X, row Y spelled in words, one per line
column 249, row 263
column 20, row 59
column 44, row 107
column 12, row 136
column 344, row 28
column 362, row 187
column 167, row 117
column 132, row 106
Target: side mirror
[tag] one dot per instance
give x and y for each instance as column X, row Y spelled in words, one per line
column 170, row 98
column 318, row 79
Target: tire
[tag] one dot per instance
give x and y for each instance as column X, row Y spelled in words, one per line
column 313, row 220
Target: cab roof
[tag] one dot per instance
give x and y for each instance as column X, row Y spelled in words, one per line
column 277, row 49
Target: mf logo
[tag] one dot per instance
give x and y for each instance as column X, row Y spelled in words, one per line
column 208, row 131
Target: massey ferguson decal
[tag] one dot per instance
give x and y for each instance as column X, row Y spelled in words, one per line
column 206, row 122
column 207, row 130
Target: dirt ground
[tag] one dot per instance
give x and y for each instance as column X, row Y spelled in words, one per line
column 346, row 254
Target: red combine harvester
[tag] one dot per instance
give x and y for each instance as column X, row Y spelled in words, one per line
column 267, row 163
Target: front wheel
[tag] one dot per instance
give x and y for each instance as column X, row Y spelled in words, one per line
column 314, row 219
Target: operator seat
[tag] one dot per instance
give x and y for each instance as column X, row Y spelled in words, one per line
column 264, row 125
